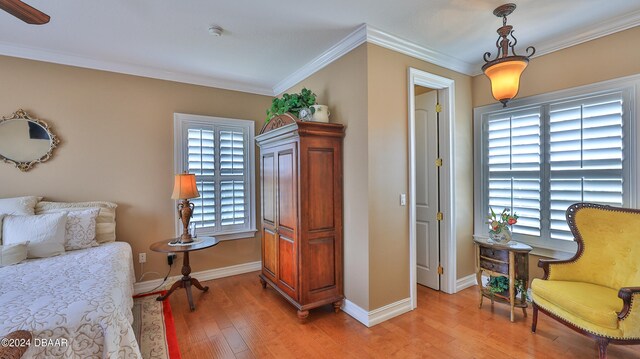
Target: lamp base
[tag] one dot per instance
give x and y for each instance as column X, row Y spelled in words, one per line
column 186, row 238
column 185, row 210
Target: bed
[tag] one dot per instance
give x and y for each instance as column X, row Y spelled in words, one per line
column 77, row 304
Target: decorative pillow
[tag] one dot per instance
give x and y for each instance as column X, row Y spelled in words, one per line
column 44, row 233
column 105, row 223
column 81, row 229
column 19, row 206
column 12, row 254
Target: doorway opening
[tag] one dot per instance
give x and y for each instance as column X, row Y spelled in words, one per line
column 431, row 189
column 427, row 194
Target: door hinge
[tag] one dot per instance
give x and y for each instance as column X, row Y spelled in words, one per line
column 439, row 162
column 440, row 216
column 440, row 270
column 438, row 108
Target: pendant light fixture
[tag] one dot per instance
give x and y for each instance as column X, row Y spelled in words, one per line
column 504, row 71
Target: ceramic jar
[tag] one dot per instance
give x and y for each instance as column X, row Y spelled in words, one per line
column 321, row 113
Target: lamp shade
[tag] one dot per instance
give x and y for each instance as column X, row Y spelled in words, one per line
column 185, row 186
column 505, row 78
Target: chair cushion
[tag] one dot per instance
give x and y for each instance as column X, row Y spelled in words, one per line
column 593, row 303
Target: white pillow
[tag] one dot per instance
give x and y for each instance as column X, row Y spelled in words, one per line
column 19, row 206
column 44, row 233
column 81, row 229
column 105, row 223
column 12, row 254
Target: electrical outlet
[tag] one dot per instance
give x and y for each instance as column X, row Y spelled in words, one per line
column 403, row 199
column 171, row 257
column 142, row 258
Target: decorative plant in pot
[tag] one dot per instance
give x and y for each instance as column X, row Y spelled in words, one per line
column 298, row 104
column 500, row 285
column 499, row 230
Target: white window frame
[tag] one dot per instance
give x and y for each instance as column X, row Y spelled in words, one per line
column 181, row 122
column 630, row 89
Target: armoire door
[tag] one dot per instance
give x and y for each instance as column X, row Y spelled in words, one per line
column 269, row 236
column 287, row 218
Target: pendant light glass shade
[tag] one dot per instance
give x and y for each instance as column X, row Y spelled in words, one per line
column 505, row 79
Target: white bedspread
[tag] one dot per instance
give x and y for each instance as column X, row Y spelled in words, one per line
column 83, row 297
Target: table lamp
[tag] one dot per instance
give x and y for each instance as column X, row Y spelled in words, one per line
column 183, row 189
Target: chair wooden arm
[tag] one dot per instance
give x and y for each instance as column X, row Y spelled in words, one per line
column 626, row 294
column 545, row 263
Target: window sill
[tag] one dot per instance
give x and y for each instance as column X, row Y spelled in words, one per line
column 229, row 235
column 544, row 249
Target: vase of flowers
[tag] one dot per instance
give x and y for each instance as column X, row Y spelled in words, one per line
column 500, row 225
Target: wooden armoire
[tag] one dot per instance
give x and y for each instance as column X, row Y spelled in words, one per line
column 301, row 196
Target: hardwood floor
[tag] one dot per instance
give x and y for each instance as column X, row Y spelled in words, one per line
column 236, row 318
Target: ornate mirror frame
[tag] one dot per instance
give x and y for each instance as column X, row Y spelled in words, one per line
column 55, row 141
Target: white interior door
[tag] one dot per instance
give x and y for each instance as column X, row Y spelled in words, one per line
column 427, row 231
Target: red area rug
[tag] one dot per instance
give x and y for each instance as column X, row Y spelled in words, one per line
column 154, row 327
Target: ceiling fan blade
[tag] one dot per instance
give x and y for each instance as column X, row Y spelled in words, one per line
column 24, row 12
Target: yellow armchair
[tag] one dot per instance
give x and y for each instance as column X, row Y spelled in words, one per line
column 597, row 291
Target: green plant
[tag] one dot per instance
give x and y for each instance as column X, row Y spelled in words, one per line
column 292, row 103
column 500, row 284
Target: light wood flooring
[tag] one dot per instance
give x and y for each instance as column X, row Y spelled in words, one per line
column 239, row 319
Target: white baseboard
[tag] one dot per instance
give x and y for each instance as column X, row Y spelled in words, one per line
column 466, row 282
column 389, row 311
column 142, row 287
column 379, row 315
column 356, row 312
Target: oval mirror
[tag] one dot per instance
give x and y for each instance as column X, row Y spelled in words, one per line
column 25, row 141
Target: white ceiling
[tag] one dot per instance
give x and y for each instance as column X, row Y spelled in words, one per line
column 267, row 42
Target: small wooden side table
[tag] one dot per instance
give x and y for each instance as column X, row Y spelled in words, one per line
column 510, row 260
column 186, row 281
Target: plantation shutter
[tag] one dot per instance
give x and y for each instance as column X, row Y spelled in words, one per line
column 585, row 156
column 201, row 162
column 217, row 156
column 514, row 161
column 232, row 168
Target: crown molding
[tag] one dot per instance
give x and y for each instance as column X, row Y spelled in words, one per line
column 343, row 47
column 395, row 43
column 372, row 35
column 129, row 69
column 601, row 29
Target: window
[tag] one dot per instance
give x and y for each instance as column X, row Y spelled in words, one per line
column 220, row 152
column 547, row 152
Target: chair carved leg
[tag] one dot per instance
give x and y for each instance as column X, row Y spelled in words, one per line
column 602, row 347
column 534, row 320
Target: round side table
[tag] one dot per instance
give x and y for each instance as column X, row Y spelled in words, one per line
column 186, row 281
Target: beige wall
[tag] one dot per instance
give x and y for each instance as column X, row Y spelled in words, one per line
column 606, row 58
column 367, row 90
column 389, row 167
column 117, row 145
column 342, row 86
